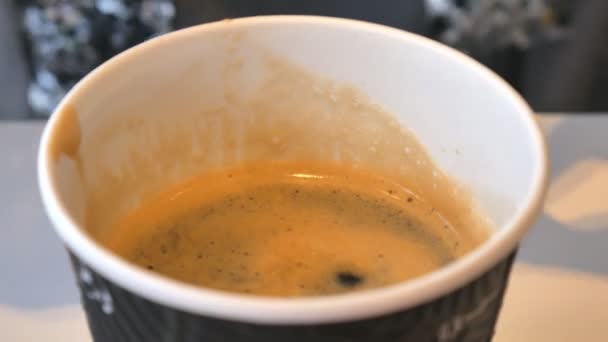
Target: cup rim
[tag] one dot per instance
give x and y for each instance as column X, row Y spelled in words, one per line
column 309, row 310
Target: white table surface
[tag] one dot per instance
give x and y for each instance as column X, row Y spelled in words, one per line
column 558, row 290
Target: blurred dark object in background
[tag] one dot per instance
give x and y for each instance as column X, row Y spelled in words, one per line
column 13, row 68
column 571, row 74
column 404, row 14
column 67, row 39
column 555, row 52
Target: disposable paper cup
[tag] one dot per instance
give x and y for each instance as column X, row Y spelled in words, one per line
column 102, row 149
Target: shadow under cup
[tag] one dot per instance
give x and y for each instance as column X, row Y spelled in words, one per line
column 289, row 88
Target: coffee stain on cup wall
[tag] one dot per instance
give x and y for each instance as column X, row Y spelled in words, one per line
column 66, row 165
column 67, row 134
column 260, row 106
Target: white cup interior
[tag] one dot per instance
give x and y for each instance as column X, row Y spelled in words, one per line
column 474, row 126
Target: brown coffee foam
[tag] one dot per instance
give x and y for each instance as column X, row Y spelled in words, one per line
column 290, row 114
column 317, row 219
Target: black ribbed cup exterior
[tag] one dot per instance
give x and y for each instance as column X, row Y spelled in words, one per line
column 467, row 314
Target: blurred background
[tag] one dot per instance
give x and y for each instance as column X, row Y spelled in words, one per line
column 554, row 52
